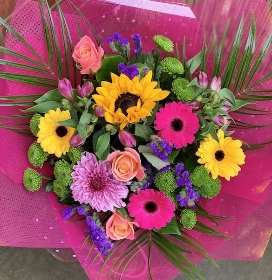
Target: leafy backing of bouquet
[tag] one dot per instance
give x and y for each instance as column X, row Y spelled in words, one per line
column 172, row 170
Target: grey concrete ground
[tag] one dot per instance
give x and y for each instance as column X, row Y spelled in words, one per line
column 38, row 264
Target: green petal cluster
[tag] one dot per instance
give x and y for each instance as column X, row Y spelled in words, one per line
column 32, row 180
column 62, row 172
column 188, row 218
column 181, row 89
column 59, row 189
column 34, row 124
column 36, row 155
column 206, row 185
column 172, row 66
column 163, row 43
column 166, row 181
column 74, row 154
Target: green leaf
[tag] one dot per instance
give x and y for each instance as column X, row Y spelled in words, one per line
column 193, row 63
column 233, row 57
column 239, row 103
column 143, row 131
column 102, row 145
column 122, row 211
column 225, row 93
column 43, row 107
column 109, row 65
column 49, row 186
column 32, row 80
column 151, row 157
column 85, row 118
column 212, row 131
column 173, row 155
column 23, row 66
column 52, row 95
column 69, row 123
column 171, row 228
column 81, row 128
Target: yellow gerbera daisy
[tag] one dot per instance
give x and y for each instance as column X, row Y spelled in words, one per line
column 221, row 158
column 128, row 101
column 54, row 138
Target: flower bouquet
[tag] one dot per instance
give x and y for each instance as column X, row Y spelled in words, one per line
column 137, row 136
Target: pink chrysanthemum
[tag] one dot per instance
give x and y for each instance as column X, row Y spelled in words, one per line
column 177, row 124
column 94, row 184
column 151, row 209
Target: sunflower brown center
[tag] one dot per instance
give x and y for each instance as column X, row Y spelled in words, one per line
column 219, row 155
column 61, row 131
column 177, row 124
column 150, row 207
column 96, row 184
column 125, row 101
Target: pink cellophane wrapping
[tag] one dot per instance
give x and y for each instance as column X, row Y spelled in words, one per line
column 34, row 219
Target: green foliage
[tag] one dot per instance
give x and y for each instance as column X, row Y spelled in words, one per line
column 109, row 65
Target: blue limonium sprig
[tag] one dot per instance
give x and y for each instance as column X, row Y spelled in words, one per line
column 187, row 196
column 129, row 70
column 98, row 236
column 119, row 44
column 146, row 182
column 137, row 43
column 161, row 148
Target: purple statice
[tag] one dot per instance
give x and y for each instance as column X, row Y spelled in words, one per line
column 161, row 148
column 179, row 168
column 98, row 236
column 137, row 43
column 117, row 38
column 148, row 182
column 187, row 196
column 83, row 210
column 129, row 70
column 68, row 212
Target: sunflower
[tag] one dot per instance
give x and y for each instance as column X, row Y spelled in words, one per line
column 128, row 101
column 54, row 138
column 221, row 158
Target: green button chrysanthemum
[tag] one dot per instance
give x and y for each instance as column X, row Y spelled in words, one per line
column 62, row 172
column 59, row 189
column 181, row 89
column 163, row 43
column 172, row 66
column 74, row 154
column 36, row 155
column 34, row 124
column 206, row 186
column 32, row 180
column 165, row 181
column 188, row 218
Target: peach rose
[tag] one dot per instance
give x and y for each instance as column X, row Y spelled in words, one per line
column 126, row 165
column 118, row 228
column 87, row 56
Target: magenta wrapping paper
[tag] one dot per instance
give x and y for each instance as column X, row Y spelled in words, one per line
column 34, row 219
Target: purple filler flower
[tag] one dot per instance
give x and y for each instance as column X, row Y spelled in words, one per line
column 119, row 38
column 94, row 184
column 129, row 70
column 137, row 43
column 99, row 237
column 68, row 212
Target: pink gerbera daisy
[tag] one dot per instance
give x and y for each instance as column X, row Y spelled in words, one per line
column 94, row 184
column 177, row 124
column 151, row 209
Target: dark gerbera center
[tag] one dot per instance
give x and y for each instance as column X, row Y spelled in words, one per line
column 125, row 101
column 97, row 184
column 61, row 131
column 177, row 124
column 151, row 207
column 219, row 155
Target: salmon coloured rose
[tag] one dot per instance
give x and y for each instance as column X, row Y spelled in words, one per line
column 117, row 228
column 126, row 165
column 87, row 56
